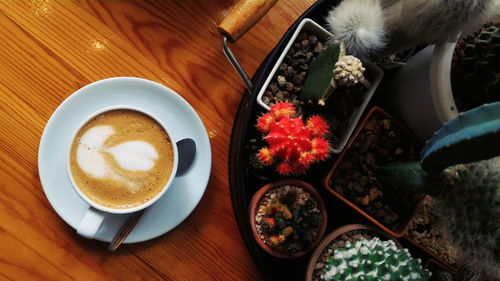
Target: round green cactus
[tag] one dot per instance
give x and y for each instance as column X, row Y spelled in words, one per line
column 373, row 260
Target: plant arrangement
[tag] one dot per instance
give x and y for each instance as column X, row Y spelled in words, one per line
column 293, row 145
column 453, row 170
column 379, row 141
column 475, row 72
column 288, row 217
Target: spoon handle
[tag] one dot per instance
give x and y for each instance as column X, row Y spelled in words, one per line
column 125, row 230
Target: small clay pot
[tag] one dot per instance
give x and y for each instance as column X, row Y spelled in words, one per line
column 435, row 258
column 433, row 266
column 254, row 206
column 336, row 233
column 404, row 223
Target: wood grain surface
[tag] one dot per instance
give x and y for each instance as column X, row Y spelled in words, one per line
column 49, row 49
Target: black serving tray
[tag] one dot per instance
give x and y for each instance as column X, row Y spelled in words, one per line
column 244, row 184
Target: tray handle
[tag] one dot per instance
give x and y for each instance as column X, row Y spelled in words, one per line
column 244, row 15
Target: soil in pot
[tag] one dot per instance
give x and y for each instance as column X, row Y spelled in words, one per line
column 379, row 142
column 289, row 220
column 424, row 231
column 290, row 76
column 475, row 72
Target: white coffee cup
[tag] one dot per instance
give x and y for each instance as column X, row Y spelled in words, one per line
column 96, row 213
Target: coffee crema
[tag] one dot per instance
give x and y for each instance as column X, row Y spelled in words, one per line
column 121, row 159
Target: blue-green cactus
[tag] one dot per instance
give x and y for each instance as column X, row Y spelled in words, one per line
column 373, row 260
column 474, row 135
column 469, row 193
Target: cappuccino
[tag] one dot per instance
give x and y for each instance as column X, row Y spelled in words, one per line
column 121, row 159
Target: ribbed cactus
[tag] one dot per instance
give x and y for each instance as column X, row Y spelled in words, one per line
column 469, row 193
column 373, row 260
column 477, row 70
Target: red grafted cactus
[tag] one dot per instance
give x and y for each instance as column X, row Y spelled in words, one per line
column 292, row 143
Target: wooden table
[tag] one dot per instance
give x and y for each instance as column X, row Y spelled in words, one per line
column 49, row 49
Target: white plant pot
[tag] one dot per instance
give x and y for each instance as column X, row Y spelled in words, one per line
column 422, row 90
column 376, row 74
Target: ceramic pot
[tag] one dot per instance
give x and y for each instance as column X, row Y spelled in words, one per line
column 254, row 207
column 421, row 90
column 336, row 233
column 405, row 219
column 373, row 73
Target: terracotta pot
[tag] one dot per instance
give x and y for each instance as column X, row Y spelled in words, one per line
column 435, row 258
column 254, row 204
column 433, row 265
column 336, row 233
column 404, row 223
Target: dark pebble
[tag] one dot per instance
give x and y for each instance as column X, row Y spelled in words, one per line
column 304, row 45
column 282, row 67
column 302, row 36
column 313, row 39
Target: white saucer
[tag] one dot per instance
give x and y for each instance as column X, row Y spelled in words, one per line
column 179, row 200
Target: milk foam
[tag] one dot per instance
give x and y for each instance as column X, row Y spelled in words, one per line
column 88, row 154
column 134, row 155
column 131, row 155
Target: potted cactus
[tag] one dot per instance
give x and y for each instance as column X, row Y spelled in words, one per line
column 357, row 252
column 293, row 146
column 386, row 27
column 459, row 167
column 288, row 218
column 318, row 76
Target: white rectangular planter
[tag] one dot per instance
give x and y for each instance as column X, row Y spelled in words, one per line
column 375, row 72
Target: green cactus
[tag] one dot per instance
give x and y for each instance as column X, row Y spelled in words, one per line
column 330, row 69
column 469, row 193
column 478, row 69
column 373, row 260
column 317, row 87
column 473, row 135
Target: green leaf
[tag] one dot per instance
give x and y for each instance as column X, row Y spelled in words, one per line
column 320, row 75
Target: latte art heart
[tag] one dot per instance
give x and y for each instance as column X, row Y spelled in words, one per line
column 130, row 155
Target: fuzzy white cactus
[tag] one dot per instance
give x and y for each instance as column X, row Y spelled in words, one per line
column 388, row 26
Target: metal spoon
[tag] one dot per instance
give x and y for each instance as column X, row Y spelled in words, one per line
column 187, row 151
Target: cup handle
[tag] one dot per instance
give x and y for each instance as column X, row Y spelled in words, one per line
column 91, row 223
